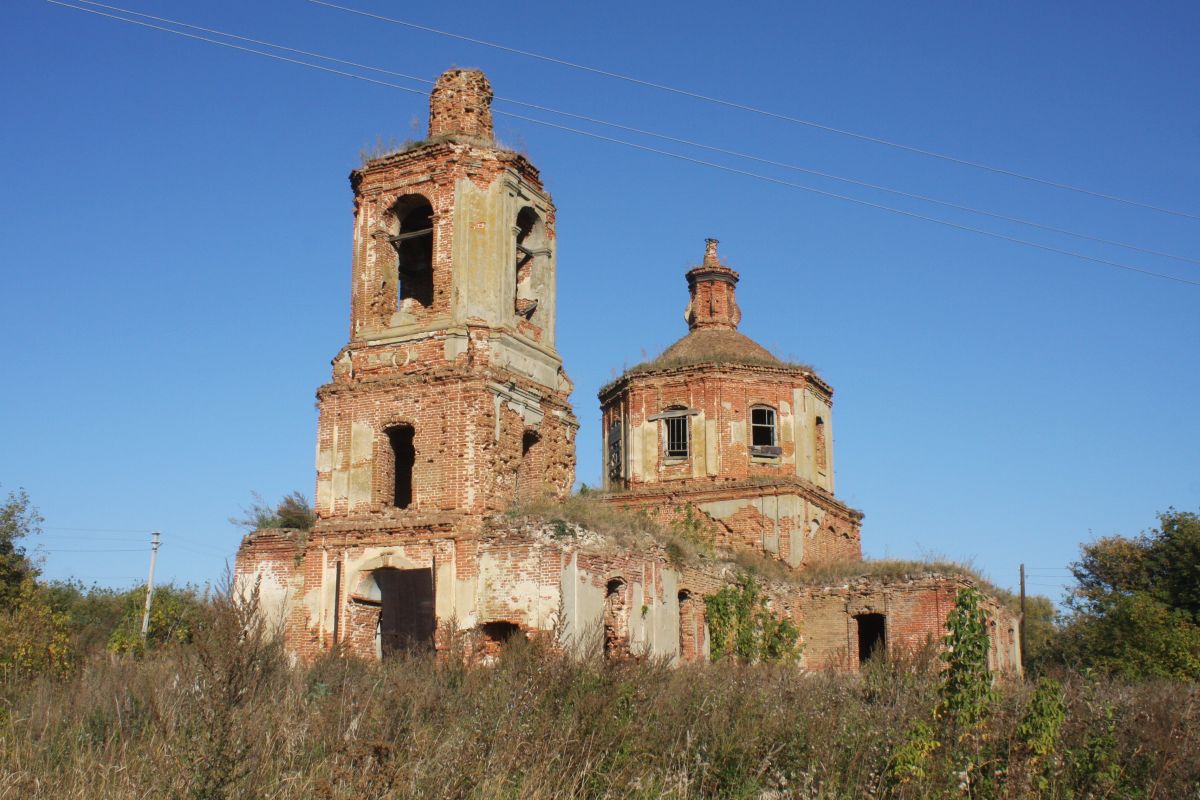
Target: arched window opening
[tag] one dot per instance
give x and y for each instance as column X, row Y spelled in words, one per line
column 872, row 636
column 819, row 446
column 531, row 251
column 691, row 627
column 529, row 470
column 616, row 620
column 406, row 610
column 763, row 432
column 414, row 251
column 404, row 457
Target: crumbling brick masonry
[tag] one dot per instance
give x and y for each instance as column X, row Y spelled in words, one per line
column 448, row 407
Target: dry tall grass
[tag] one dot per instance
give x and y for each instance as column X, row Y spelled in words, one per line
column 226, row 717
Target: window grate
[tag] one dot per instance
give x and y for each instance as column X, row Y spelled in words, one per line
column 615, row 462
column 677, row 436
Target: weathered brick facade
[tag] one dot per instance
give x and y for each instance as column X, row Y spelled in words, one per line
column 719, row 426
column 448, row 406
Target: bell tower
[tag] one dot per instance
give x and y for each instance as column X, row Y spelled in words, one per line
column 450, row 397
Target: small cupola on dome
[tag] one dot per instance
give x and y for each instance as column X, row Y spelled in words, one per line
column 461, row 104
column 712, row 304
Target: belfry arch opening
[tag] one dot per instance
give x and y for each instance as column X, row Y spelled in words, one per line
column 413, row 243
column 531, row 252
column 872, row 636
column 403, row 459
column 407, row 619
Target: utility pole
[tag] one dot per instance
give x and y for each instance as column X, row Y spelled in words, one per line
column 1022, row 622
column 150, row 584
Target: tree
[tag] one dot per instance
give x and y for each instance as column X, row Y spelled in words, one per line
column 1136, row 609
column 34, row 639
column 175, row 615
column 293, row 511
column 18, row 520
column 967, row 694
column 92, row 612
column 1041, row 632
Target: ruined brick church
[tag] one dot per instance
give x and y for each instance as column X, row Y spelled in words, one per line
column 448, row 413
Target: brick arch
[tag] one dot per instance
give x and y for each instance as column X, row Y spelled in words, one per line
column 363, row 570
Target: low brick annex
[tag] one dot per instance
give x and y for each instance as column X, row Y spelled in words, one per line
column 447, row 414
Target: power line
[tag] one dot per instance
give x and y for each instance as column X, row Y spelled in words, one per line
column 90, row 550
column 675, row 139
column 109, row 577
column 89, row 538
column 99, row 530
column 763, row 112
column 859, row 201
column 203, row 551
column 646, row 148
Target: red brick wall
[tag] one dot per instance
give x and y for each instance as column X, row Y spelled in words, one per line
column 724, row 395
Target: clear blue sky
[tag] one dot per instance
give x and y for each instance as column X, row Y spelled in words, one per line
column 176, row 226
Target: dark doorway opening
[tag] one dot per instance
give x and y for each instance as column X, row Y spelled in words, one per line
column 406, row 616
column 404, row 456
column 871, row 636
column 496, row 635
column 500, row 632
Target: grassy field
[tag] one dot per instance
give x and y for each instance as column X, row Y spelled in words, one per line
column 226, row 716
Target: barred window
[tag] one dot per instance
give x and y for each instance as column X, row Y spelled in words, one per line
column 677, row 436
column 616, row 464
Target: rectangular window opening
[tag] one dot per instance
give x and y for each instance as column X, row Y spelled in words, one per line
column 400, row 438
column 762, row 427
column 677, row 436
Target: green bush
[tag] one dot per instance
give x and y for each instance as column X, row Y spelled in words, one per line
column 174, row 615
column 741, row 626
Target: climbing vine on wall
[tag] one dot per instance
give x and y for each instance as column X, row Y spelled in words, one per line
column 741, row 626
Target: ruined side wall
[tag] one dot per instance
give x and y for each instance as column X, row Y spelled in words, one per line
column 269, row 561
column 789, row 521
column 546, row 579
column 915, row 611
column 523, row 577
